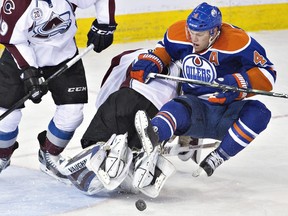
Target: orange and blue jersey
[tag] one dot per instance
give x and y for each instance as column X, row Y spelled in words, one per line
column 234, row 51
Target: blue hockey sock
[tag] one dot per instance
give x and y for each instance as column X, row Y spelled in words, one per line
column 171, row 117
column 254, row 118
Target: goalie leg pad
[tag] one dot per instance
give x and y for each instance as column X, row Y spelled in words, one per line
column 115, row 167
column 80, row 176
column 152, row 173
column 86, row 181
column 145, row 169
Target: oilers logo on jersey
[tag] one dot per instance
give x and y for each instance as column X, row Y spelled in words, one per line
column 198, row 68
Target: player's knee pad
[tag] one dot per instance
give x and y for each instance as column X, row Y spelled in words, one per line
column 255, row 111
column 68, row 117
column 151, row 173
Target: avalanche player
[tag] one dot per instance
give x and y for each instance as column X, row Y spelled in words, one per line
column 206, row 112
column 39, row 39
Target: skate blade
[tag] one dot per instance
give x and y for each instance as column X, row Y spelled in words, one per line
column 197, row 172
column 44, row 169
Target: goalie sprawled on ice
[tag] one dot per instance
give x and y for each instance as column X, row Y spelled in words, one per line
column 113, row 155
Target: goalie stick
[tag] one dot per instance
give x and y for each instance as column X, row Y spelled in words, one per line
column 56, row 74
column 216, row 85
column 172, row 150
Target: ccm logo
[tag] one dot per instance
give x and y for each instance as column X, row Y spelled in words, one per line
column 77, row 89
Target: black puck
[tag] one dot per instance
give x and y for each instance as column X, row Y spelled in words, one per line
column 140, row 205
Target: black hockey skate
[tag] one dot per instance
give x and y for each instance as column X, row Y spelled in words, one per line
column 50, row 164
column 146, row 133
column 210, row 163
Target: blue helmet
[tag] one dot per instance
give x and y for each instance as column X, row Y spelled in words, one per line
column 204, row 17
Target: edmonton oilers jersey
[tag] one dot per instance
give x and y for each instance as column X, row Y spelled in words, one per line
column 234, row 51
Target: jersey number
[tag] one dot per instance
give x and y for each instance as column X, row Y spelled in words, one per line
column 259, row 58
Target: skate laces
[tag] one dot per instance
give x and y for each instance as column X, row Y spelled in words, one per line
column 214, row 160
column 53, row 160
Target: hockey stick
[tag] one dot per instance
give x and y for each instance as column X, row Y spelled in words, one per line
column 217, row 85
column 175, row 149
column 56, row 74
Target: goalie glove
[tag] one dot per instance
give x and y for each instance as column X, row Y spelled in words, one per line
column 226, row 97
column 101, row 35
column 147, row 62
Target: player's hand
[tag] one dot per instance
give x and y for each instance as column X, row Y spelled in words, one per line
column 226, row 97
column 101, row 35
column 146, row 63
column 32, row 84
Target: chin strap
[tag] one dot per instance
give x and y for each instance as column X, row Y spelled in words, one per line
column 213, row 39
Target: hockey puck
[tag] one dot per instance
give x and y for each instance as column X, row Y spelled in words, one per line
column 140, row 205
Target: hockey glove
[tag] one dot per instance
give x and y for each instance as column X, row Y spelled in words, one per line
column 101, row 35
column 32, row 84
column 226, row 97
column 146, row 63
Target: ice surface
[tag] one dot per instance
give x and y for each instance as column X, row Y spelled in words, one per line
column 252, row 183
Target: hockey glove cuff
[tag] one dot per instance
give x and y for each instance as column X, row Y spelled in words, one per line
column 101, row 35
column 146, row 63
column 226, row 97
column 32, row 84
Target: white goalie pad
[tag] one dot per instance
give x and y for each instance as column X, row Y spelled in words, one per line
column 151, row 173
column 77, row 172
column 85, row 171
column 113, row 167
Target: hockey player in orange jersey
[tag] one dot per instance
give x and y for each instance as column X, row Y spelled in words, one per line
column 206, row 112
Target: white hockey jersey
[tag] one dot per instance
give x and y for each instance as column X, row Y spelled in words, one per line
column 157, row 91
column 41, row 32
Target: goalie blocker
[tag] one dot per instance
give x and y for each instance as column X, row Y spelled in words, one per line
column 109, row 166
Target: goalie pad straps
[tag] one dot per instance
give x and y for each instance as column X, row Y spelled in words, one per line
column 151, row 173
column 112, row 169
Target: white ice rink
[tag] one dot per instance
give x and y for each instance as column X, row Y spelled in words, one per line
column 254, row 183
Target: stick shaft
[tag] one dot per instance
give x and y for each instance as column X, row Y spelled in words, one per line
column 175, row 151
column 217, row 85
